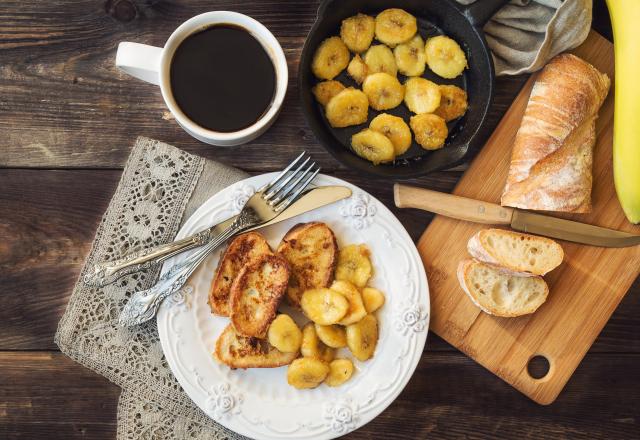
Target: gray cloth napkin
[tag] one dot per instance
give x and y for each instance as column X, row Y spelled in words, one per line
column 161, row 186
column 525, row 34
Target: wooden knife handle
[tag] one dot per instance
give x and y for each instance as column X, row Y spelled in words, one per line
column 452, row 206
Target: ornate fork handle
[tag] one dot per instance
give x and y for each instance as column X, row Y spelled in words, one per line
column 143, row 305
column 109, row 271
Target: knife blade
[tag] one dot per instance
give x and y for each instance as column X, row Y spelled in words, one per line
column 477, row 211
column 108, row 272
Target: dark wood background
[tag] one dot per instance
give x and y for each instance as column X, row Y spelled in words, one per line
column 68, row 119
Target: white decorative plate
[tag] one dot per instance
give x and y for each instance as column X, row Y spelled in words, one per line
column 259, row 403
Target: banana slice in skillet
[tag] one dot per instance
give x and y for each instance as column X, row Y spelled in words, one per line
column 453, row 102
column 379, row 58
column 421, row 95
column 357, row 32
column 395, row 129
column 330, row 58
column 325, row 90
column 357, row 69
column 429, row 130
column 349, row 107
column 384, row 91
column 373, row 146
column 410, row 57
column 445, row 57
column 395, row 26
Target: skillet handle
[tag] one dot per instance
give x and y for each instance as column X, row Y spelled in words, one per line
column 480, row 11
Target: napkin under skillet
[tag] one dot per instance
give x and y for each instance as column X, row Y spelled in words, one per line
column 161, row 186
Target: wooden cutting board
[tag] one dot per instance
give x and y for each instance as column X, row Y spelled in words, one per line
column 584, row 290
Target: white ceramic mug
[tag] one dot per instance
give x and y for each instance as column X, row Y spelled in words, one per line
column 152, row 64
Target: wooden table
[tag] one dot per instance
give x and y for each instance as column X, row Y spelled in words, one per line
column 68, row 119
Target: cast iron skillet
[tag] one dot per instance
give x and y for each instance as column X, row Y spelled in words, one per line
column 466, row 135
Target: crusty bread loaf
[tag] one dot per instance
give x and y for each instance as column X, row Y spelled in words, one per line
column 521, row 253
column 239, row 351
column 552, row 153
column 256, row 293
column 312, row 251
column 244, row 249
column 499, row 293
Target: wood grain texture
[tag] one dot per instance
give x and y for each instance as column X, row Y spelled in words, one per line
column 584, row 290
column 46, row 395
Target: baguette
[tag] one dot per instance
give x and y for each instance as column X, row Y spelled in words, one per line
column 520, row 253
column 239, row 351
column 552, row 154
column 498, row 293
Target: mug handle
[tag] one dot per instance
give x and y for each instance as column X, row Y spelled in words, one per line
column 140, row 60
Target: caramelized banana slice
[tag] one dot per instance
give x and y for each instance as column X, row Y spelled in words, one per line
column 373, row 146
column 395, row 26
column 324, row 306
column 340, row 371
column 372, row 298
column 331, row 57
column 410, row 57
column 395, row 129
column 453, row 103
column 304, row 373
column 362, row 337
column 421, row 95
column 349, row 107
column 357, row 32
column 383, row 90
column 356, row 307
column 332, row 335
column 380, row 59
column 429, row 130
column 445, row 57
column 325, row 90
column 313, row 347
column 284, row 334
column 354, row 265
column 357, row 69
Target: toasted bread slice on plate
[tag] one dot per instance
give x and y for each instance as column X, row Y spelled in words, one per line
column 239, row 351
column 312, row 251
column 515, row 251
column 499, row 293
column 243, row 249
column 256, row 293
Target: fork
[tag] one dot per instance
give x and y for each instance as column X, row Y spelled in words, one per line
column 266, row 204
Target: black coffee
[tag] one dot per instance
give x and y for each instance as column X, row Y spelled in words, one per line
column 222, row 78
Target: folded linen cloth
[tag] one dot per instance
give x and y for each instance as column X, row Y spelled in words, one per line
column 161, row 186
column 525, row 34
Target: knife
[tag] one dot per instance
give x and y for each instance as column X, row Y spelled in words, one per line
column 477, row 211
column 108, row 272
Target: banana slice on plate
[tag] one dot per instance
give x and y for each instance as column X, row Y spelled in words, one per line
column 395, row 26
column 325, row 90
column 333, row 336
column 356, row 307
column 357, row 32
column 324, row 306
column 379, row 58
column 362, row 337
column 330, row 58
column 340, row 371
column 354, row 265
column 410, row 57
column 313, row 347
column 373, row 146
column 395, row 129
column 372, row 298
column 304, row 373
column 284, row 334
column 421, row 95
column 357, row 69
column 453, row 103
column 349, row 107
column 429, row 130
column 384, row 91
column 445, row 57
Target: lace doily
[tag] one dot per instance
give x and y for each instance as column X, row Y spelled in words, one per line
column 147, row 209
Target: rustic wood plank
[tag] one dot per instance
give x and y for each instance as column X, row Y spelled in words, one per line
column 47, row 394
column 87, row 114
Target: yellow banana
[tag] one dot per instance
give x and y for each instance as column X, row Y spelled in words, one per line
column 625, row 16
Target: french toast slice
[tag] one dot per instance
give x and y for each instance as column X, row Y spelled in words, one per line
column 239, row 351
column 312, row 251
column 256, row 294
column 243, row 249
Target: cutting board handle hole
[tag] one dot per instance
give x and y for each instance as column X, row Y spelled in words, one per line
column 538, row 366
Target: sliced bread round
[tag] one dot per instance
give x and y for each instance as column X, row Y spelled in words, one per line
column 499, row 293
column 522, row 253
